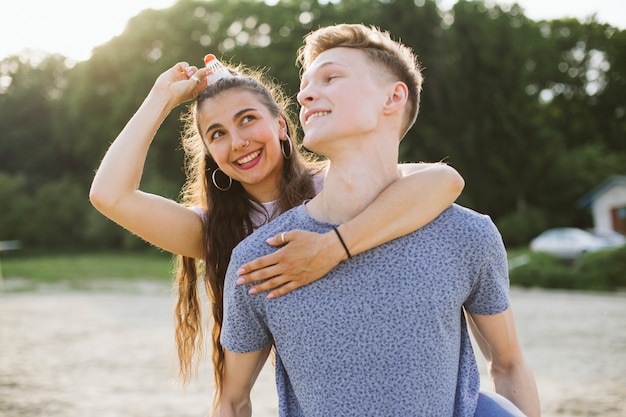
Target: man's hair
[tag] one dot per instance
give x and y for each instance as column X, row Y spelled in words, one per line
column 396, row 57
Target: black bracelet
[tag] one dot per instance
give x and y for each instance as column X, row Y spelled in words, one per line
column 342, row 242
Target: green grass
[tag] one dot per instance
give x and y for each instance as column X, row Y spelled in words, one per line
column 77, row 267
column 84, row 267
column 23, row 271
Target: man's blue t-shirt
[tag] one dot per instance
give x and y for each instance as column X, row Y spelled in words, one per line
column 383, row 333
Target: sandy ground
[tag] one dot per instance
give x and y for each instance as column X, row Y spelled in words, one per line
column 108, row 352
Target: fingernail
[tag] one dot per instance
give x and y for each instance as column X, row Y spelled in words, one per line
column 252, row 291
column 240, row 281
column 270, row 296
column 241, row 271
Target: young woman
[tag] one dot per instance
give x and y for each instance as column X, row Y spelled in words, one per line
column 244, row 169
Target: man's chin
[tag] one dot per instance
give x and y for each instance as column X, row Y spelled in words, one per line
column 311, row 143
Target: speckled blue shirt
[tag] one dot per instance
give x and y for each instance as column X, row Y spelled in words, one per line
column 383, row 334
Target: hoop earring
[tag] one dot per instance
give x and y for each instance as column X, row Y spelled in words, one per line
column 230, row 180
column 286, row 154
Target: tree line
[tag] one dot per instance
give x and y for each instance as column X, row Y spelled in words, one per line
column 532, row 113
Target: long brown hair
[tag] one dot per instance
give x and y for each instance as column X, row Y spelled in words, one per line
column 227, row 219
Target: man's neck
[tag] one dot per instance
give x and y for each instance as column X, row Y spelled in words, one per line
column 350, row 186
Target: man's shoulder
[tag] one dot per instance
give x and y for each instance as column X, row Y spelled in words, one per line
column 289, row 219
column 459, row 210
column 466, row 220
column 254, row 244
column 460, row 213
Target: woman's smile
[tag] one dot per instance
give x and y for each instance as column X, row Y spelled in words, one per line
column 249, row 160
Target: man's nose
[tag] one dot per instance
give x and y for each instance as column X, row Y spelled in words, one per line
column 306, row 94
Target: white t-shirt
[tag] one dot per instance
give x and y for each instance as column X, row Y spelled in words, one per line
column 259, row 218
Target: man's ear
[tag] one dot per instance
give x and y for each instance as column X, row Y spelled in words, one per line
column 397, row 99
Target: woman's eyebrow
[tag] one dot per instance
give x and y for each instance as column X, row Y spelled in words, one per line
column 235, row 117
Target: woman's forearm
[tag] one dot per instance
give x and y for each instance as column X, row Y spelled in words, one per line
column 406, row 205
column 115, row 188
column 409, row 203
column 121, row 168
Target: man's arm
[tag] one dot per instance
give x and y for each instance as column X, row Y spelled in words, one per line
column 511, row 376
column 240, row 372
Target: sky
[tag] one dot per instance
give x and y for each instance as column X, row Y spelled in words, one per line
column 74, row 27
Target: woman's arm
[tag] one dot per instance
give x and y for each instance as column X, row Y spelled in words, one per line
column 511, row 376
column 115, row 188
column 422, row 194
column 424, row 191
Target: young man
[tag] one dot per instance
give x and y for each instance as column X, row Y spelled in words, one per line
column 385, row 333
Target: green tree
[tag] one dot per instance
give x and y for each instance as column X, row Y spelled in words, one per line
column 57, row 216
column 15, row 206
column 531, row 113
column 581, row 88
column 487, row 121
column 28, row 109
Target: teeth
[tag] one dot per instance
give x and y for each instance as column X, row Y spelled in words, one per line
column 248, row 158
column 318, row 114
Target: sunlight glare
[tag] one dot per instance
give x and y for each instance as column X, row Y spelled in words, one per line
column 69, row 27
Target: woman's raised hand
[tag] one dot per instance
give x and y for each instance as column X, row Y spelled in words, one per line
column 181, row 82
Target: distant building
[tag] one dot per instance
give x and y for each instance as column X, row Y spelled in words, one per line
column 608, row 204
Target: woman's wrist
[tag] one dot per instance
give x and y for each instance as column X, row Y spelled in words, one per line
column 160, row 102
column 343, row 243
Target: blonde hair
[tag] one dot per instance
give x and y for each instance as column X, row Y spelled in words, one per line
column 396, row 57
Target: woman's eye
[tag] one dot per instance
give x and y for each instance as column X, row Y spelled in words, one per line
column 217, row 134
column 247, row 119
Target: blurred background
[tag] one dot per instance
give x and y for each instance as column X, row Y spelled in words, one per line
column 526, row 100
column 532, row 113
